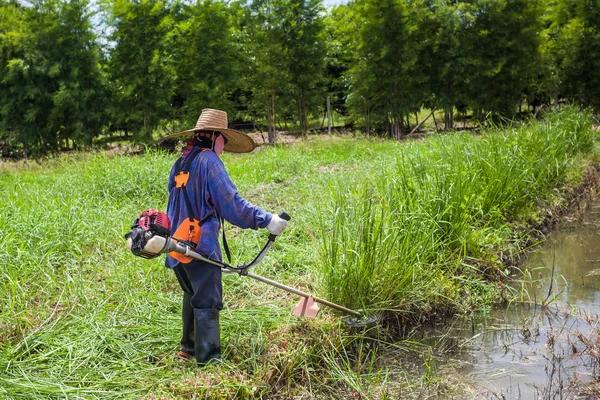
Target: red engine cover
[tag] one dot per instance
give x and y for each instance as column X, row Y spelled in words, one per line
column 155, row 217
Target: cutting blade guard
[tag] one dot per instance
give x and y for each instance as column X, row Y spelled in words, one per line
column 306, row 307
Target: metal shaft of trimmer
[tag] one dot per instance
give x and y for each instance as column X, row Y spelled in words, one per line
column 301, row 293
column 173, row 245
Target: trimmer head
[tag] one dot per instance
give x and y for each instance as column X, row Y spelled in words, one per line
column 309, row 308
column 363, row 322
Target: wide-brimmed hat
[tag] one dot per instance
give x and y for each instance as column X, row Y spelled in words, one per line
column 216, row 120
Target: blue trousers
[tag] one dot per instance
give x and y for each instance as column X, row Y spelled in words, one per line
column 202, row 282
column 202, row 289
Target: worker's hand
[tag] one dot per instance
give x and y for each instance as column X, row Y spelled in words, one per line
column 277, row 225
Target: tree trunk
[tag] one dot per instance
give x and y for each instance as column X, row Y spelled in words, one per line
column 394, row 127
column 299, row 113
column 271, row 118
column 479, row 114
column 304, row 117
column 332, row 121
column 302, row 114
column 328, row 115
column 435, row 120
column 145, row 129
column 448, row 118
column 368, row 122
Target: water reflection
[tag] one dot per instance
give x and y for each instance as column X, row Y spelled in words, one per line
column 575, row 250
column 528, row 351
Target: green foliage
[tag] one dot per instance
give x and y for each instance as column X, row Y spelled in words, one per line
column 443, row 54
column 340, row 25
column 51, row 91
column 384, row 84
column 274, row 63
column 13, row 31
column 404, row 237
column 206, row 57
column 268, row 75
column 141, row 66
column 305, row 53
column 572, row 51
column 503, row 49
column 478, row 54
column 287, row 53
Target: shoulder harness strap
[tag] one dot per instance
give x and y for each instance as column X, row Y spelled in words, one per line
column 182, row 175
column 225, row 245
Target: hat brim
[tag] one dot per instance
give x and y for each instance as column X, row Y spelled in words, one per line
column 237, row 142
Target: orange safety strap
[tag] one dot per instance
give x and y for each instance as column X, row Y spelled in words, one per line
column 190, row 230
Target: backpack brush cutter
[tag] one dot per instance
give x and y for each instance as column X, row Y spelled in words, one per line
column 150, row 237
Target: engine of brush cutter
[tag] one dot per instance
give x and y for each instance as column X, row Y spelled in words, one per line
column 149, row 234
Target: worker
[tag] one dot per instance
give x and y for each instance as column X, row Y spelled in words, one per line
column 201, row 196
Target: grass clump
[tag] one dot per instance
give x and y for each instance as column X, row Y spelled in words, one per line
column 425, row 229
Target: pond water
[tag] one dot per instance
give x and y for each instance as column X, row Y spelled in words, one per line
column 527, row 351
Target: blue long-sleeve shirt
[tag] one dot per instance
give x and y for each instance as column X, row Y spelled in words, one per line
column 213, row 195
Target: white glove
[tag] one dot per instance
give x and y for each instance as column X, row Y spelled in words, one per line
column 277, row 225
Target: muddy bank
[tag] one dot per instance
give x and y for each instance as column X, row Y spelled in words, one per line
column 547, row 345
column 526, row 236
column 573, row 205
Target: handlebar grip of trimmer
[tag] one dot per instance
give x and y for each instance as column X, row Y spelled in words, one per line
column 285, row 216
column 282, row 215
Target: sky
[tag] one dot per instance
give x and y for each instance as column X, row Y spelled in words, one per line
column 329, row 3
column 99, row 26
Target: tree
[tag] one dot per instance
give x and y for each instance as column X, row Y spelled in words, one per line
column 141, row 66
column 13, row 34
column 305, row 54
column 572, row 50
column 79, row 102
column 51, row 92
column 267, row 75
column 340, row 31
column 384, row 86
column 206, row 57
column 442, row 39
column 504, row 51
column 286, row 46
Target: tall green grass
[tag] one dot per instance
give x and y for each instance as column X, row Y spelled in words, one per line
column 401, row 240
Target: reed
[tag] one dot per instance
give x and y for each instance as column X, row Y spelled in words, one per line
column 399, row 240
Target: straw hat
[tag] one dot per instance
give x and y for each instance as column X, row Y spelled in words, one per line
column 216, row 120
